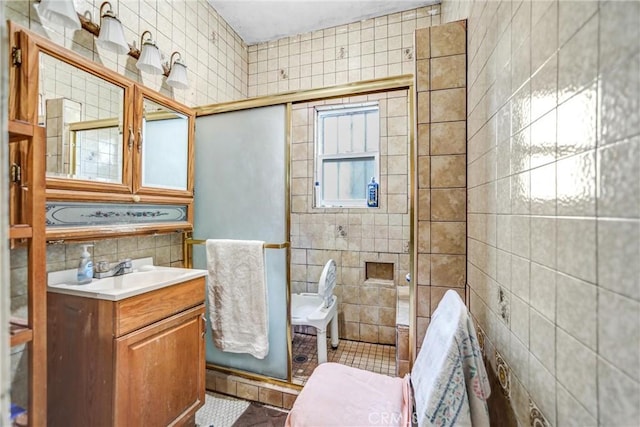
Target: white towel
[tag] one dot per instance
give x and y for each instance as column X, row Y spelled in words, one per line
column 449, row 380
column 238, row 296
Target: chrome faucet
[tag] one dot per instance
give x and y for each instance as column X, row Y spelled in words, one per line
column 104, row 269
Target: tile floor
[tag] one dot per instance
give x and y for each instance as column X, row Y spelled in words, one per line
column 372, row 357
column 220, row 410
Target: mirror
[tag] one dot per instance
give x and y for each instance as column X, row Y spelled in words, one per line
column 165, row 147
column 83, row 115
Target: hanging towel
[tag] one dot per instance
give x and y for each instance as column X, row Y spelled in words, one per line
column 449, row 380
column 238, row 296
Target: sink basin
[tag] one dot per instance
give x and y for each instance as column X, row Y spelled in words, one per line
column 144, row 278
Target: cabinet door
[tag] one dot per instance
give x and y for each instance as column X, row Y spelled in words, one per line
column 164, row 146
column 160, row 371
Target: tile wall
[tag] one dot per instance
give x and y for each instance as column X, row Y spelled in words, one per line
column 403, row 358
column 215, row 55
column 352, row 237
column 257, row 391
column 441, row 168
column 554, row 202
column 364, row 50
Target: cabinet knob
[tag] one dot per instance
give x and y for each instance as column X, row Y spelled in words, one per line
column 139, row 139
column 204, row 324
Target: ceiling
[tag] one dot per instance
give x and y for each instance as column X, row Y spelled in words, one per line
column 258, row 21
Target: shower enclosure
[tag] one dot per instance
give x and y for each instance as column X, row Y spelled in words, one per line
column 241, row 173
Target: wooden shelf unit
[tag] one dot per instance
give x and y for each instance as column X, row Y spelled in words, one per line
column 27, row 224
column 20, row 232
column 20, row 129
column 20, row 332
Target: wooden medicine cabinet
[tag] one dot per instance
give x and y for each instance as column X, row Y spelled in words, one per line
column 109, row 140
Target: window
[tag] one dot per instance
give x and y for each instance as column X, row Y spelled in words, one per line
column 347, row 153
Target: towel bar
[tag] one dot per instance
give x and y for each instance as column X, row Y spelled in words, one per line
column 283, row 245
column 188, row 243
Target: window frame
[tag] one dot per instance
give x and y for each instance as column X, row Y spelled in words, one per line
column 336, row 110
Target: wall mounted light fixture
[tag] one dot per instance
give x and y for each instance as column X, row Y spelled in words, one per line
column 60, row 12
column 111, row 33
column 177, row 72
column 149, row 60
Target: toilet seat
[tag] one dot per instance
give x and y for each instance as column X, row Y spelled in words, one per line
column 317, row 310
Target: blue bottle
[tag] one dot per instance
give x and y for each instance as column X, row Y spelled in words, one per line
column 372, row 194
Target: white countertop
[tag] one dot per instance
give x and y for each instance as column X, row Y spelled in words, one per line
column 145, row 277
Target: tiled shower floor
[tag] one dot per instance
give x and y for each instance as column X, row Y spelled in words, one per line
column 371, row 357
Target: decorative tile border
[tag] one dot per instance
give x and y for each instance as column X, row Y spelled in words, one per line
column 536, row 418
column 504, row 375
column 66, row 214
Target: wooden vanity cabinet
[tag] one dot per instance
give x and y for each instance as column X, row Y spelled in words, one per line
column 135, row 362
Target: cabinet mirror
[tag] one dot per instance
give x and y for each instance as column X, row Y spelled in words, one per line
column 164, row 142
column 83, row 116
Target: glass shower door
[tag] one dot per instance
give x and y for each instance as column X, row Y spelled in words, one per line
column 240, row 193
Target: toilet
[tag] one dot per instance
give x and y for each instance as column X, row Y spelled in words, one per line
column 317, row 310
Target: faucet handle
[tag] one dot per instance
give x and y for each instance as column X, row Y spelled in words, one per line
column 102, row 266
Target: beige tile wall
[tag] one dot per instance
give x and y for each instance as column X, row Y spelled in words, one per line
column 257, row 391
column 403, row 357
column 441, row 167
column 352, row 237
column 374, row 48
column 215, row 55
column 364, row 50
column 554, row 202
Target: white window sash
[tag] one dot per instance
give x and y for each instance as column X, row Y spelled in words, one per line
column 320, row 158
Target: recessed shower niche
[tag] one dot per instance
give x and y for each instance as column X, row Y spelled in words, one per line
column 379, row 271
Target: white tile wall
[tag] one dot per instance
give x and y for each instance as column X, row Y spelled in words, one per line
column 373, row 48
column 215, row 55
column 555, row 93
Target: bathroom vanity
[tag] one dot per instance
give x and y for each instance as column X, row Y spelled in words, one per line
column 128, row 350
